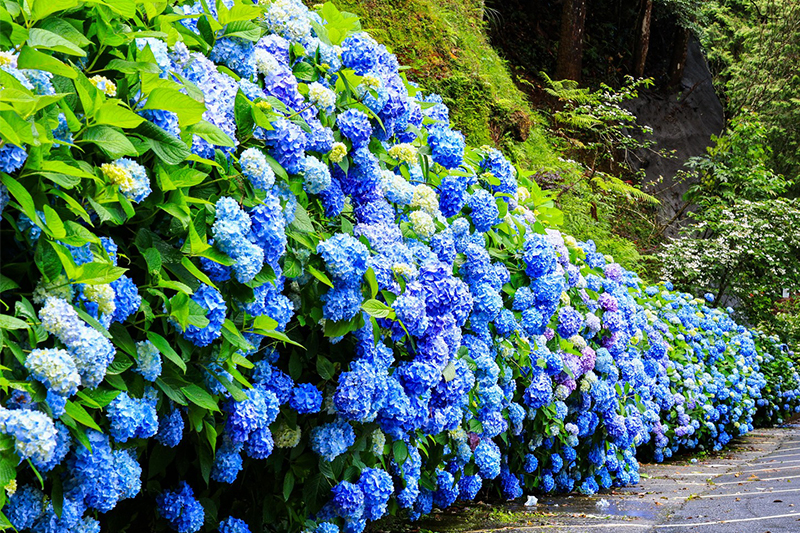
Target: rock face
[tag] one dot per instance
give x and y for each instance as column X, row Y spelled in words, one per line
column 681, row 122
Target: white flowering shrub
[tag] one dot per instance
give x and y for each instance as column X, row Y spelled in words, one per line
column 252, row 279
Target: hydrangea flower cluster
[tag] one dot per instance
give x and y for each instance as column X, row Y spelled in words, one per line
column 312, row 288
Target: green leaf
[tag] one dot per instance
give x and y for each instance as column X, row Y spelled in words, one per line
column 114, row 113
column 6, row 284
column 40, row 38
column 196, row 272
column 320, row 276
column 99, row 397
column 242, row 110
column 30, row 58
column 110, row 140
column 372, row 281
column 120, row 364
column 325, row 368
column 211, row 133
column 54, row 224
column 133, row 67
column 200, row 397
column 174, row 394
column 23, row 198
column 305, row 71
column 41, row 8
column 187, row 177
column 302, row 222
column 189, row 110
column 377, row 309
column 337, row 329
column 170, row 149
column 8, row 469
column 400, row 451
column 79, row 414
column 166, row 350
column 95, row 273
column 8, row 134
column 243, row 29
column 288, row 485
column 10, row 322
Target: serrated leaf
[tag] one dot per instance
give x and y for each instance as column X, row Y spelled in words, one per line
column 377, row 309
column 200, row 397
column 211, row 133
column 170, row 149
column 79, row 414
column 166, row 350
column 10, row 322
column 98, row 273
column 189, row 110
column 30, row 58
column 114, row 113
column 110, row 140
column 320, row 276
column 44, row 39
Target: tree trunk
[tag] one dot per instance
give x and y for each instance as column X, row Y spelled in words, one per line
column 680, row 48
column 570, row 46
column 642, row 37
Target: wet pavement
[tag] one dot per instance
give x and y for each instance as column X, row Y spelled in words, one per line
column 751, row 487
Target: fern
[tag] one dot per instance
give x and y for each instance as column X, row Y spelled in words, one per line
column 614, row 185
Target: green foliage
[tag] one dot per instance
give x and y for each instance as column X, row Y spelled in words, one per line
column 599, row 129
column 736, row 167
column 751, row 46
column 745, row 250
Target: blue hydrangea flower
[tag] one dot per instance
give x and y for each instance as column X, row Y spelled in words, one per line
column 258, row 411
column 132, row 417
column 355, row 125
column 377, row 486
column 227, row 461
column 485, row 213
column 12, row 158
column 256, row 168
column 170, row 429
column 126, row 298
column 317, row 176
column 447, row 146
column 348, row 500
column 233, row 525
column 148, row 360
column 55, row 369
column 91, row 351
column 25, row 507
column 211, row 300
column 345, row 257
column 333, row 439
column 306, row 398
column 181, row 509
column 487, row 459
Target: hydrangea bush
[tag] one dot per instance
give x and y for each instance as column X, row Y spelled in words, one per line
column 253, row 278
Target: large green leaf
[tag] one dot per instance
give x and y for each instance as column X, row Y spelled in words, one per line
column 114, row 113
column 111, row 141
column 189, row 110
column 43, row 39
column 200, row 397
column 30, row 58
column 170, row 149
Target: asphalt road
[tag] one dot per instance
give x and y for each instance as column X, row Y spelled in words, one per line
column 751, row 487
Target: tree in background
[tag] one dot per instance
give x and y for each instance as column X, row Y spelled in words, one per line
column 570, row 45
column 745, row 244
